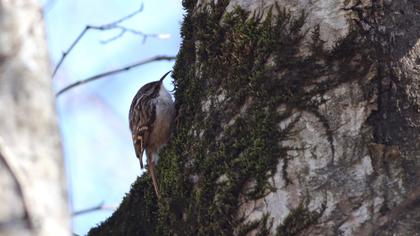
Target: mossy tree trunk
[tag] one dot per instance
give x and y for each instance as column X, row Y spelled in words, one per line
column 32, row 184
column 294, row 118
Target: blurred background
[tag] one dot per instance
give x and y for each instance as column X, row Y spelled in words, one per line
column 99, row 156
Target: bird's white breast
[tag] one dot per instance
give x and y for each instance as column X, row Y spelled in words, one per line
column 164, row 102
column 164, row 94
column 165, row 112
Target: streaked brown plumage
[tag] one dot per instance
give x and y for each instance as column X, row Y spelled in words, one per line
column 151, row 115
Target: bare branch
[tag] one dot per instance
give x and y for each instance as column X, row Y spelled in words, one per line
column 64, row 55
column 124, row 30
column 108, row 26
column 112, row 24
column 102, row 75
column 100, row 206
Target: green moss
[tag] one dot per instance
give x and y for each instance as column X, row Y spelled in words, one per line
column 262, row 227
column 241, row 67
column 298, row 220
column 136, row 214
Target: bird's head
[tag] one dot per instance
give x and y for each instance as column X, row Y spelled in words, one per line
column 152, row 88
column 163, row 77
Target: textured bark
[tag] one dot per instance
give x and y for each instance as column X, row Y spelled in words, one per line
column 32, row 183
column 330, row 91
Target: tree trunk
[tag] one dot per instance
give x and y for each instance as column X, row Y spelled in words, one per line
column 33, row 189
column 294, row 118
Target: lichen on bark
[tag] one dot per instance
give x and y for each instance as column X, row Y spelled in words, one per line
column 31, row 162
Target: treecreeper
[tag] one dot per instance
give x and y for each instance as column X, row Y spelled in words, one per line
column 151, row 116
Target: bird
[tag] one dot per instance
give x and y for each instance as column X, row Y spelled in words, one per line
column 151, row 117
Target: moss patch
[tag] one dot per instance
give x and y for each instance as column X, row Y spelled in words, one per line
column 233, row 72
column 298, row 220
column 136, row 215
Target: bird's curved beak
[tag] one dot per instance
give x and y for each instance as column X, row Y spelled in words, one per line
column 163, row 77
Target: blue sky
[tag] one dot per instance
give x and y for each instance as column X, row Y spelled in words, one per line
column 100, row 160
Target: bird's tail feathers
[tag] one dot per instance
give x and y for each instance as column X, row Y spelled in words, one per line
column 140, row 157
column 141, row 163
column 155, row 158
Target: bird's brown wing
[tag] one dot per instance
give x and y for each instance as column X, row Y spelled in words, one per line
column 141, row 118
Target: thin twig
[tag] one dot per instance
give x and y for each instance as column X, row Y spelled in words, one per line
column 108, row 26
column 100, row 206
column 124, row 30
column 98, row 76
